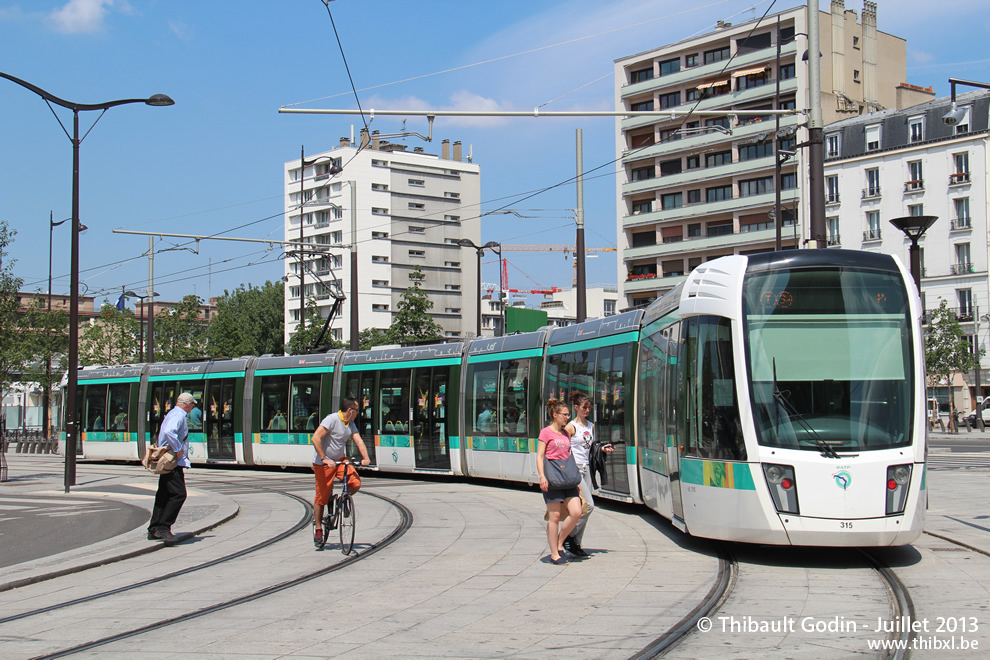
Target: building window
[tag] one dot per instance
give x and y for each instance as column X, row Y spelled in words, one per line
column 671, row 100
column 831, row 189
column 718, row 121
column 608, row 307
column 416, row 206
column 671, row 201
column 379, row 234
column 753, row 43
column 752, row 80
column 832, row 145
column 961, row 163
column 916, row 179
column 872, row 232
column 963, row 126
column 669, row 135
column 379, row 260
column 453, row 310
column 379, row 308
column 718, row 193
column 750, row 187
column 668, row 67
column 379, row 163
column 856, row 43
column 378, row 211
column 856, row 75
column 691, row 95
column 719, row 158
column 452, row 287
column 642, row 173
column 916, row 209
column 417, row 182
column 417, row 253
column 965, row 297
column 644, row 238
column 916, row 127
column 872, row 183
column 452, row 195
column 417, row 230
column 694, row 196
column 694, row 230
column 452, row 264
column 716, row 55
column 693, row 162
column 720, row 228
column 789, row 181
column 337, row 237
column 964, row 262
column 452, row 218
column 833, row 230
column 643, row 105
column 642, row 207
column 873, row 137
column 691, row 60
column 961, row 221
column 754, row 151
column 669, row 167
column 380, row 187
column 787, row 71
column 640, row 75
column 379, row 283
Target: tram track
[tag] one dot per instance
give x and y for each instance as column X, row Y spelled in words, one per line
column 901, row 608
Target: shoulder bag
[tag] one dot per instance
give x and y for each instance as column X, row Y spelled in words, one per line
column 159, row 460
column 561, row 473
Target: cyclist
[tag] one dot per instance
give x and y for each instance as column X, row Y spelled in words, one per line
column 330, row 443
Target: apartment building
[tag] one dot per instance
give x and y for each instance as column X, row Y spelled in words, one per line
column 894, row 163
column 700, row 186
column 561, row 306
column 411, row 209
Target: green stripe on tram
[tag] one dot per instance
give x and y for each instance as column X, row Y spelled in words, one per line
column 266, row 438
column 108, row 381
column 508, row 355
column 718, row 474
column 492, row 443
column 404, row 364
column 109, row 436
column 598, row 342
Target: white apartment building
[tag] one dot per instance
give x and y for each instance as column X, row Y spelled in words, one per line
column 561, row 306
column 697, row 187
column 892, row 164
column 411, row 209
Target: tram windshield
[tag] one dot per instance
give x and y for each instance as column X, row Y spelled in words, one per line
column 829, row 359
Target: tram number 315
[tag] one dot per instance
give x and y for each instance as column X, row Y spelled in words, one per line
column 845, row 524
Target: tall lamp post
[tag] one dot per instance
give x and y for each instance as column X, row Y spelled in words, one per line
column 914, row 227
column 46, row 402
column 480, row 249
column 71, row 423
column 131, row 294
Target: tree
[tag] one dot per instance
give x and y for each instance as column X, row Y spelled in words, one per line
column 111, row 338
column 413, row 322
column 47, row 342
column 179, row 333
column 12, row 353
column 248, row 321
column 948, row 352
column 303, row 339
column 371, row 337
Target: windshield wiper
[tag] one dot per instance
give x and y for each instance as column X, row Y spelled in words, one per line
column 781, row 400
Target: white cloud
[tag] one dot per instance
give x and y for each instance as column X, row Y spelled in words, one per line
column 79, row 16
column 182, row 30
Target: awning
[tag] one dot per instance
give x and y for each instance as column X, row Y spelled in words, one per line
column 717, row 83
column 749, row 72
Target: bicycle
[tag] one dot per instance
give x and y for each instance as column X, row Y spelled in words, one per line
column 340, row 514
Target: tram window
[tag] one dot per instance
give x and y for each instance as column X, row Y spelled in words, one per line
column 582, row 375
column 689, row 335
column 673, row 385
column 515, row 386
column 565, row 363
column 305, row 395
column 96, row 408
column 552, row 377
column 721, row 429
column 484, row 390
column 119, row 395
column 274, row 403
column 361, row 386
column 395, row 401
column 646, row 389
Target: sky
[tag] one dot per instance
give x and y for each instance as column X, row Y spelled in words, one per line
column 214, row 161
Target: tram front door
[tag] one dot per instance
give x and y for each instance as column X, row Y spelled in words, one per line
column 219, row 405
column 430, row 418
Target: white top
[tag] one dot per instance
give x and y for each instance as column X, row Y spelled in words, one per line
column 584, row 435
column 335, row 441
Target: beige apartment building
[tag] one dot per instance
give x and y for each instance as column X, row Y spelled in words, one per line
column 700, row 186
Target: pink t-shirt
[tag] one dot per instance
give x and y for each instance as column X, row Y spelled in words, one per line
column 558, row 444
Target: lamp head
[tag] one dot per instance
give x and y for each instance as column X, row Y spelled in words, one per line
column 491, row 244
column 914, row 226
column 465, row 242
column 160, row 100
column 954, row 116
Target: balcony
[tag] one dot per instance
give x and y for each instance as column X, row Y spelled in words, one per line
column 831, row 198
column 916, row 185
column 958, row 178
column 961, row 269
column 872, row 235
column 961, row 223
column 871, row 193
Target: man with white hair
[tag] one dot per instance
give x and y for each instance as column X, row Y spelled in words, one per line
column 171, row 493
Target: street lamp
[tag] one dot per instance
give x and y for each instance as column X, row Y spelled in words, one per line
column 131, row 294
column 914, row 227
column 46, row 402
column 480, row 249
column 71, row 423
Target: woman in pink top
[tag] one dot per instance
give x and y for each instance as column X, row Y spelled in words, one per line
column 554, row 444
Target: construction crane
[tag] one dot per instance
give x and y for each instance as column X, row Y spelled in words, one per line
column 555, row 248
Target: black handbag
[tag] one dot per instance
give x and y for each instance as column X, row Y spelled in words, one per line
column 561, row 473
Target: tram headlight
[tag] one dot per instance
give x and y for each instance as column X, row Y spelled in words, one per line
column 783, row 487
column 898, row 481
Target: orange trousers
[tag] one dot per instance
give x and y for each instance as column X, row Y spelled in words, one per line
column 325, row 476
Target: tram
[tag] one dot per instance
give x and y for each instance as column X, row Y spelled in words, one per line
column 775, row 398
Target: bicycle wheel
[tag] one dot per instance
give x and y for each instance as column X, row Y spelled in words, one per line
column 347, row 518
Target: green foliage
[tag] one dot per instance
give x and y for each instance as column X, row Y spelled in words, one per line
column 179, row 333
column 371, row 337
column 305, row 337
column 112, row 337
column 947, row 351
column 47, row 342
column 248, row 321
column 12, row 353
column 412, row 321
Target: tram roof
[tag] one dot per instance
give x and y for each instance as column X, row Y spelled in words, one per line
column 517, row 342
column 122, row 371
column 404, row 354
column 820, row 258
column 327, row 360
column 596, row 328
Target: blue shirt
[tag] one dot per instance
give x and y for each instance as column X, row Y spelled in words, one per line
column 175, row 434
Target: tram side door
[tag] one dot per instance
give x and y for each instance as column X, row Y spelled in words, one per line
column 673, row 397
column 219, row 406
column 430, row 418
